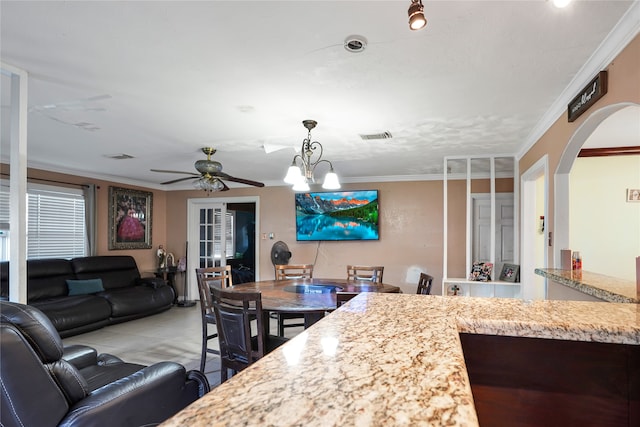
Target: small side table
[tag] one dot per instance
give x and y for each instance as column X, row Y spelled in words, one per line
column 169, row 275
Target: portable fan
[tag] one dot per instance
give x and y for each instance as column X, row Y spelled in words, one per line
column 280, row 253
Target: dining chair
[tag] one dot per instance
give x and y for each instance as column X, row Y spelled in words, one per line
column 288, row 272
column 294, row 271
column 365, row 273
column 239, row 348
column 424, row 284
column 207, row 278
column 343, row 297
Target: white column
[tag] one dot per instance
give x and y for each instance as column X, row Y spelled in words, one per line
column 18, row 185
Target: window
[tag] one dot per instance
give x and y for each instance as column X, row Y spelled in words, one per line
column 4, row 222
column 55, row 222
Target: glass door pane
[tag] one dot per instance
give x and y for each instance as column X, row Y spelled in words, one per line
column 212, row 246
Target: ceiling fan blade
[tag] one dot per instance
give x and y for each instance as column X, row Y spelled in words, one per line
column 168, row 171
column 180, row 179
column 240, row 180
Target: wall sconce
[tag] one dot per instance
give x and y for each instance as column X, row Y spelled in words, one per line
column 416, row 15
column 301, row 176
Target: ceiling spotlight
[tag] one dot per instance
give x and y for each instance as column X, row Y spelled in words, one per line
column 561, row 3
column 416, row 15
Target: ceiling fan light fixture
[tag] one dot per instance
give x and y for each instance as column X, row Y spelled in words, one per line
column 416, row 15
column 210, row 177
column 302, row 175
column 209, row 184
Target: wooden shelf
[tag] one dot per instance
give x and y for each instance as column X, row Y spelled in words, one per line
column 490, row 289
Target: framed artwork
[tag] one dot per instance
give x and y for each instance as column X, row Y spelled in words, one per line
column 633, row 195
column 481, row 271
column 129, row 218
column 510, row 273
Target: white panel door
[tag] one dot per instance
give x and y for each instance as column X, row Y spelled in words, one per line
column 503, row 229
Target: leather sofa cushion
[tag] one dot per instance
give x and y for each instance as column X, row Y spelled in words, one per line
column 137, row 299
column 36, row 328
column 28, row 383
column 47, row 278
column 74, row 311
column 98, row 376
column 115, row 271
column 80, row 356
column 72, row 384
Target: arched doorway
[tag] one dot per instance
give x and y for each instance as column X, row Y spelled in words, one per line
column 562, row 206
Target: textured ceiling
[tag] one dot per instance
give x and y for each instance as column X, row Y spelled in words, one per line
column 160, row 80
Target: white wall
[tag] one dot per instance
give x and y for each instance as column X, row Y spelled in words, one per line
column 604, row 227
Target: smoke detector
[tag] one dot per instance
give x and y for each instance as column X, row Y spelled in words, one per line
column 355, row 44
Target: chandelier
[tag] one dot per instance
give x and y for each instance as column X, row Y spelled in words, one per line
column 302, row 175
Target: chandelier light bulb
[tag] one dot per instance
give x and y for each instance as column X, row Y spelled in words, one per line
column 293, row 174
column 331, row 181
column 301, row 185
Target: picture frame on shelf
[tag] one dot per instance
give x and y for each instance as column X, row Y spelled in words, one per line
column 130, row 213
column 510, row 273
column 481, row 271
column 633, row 195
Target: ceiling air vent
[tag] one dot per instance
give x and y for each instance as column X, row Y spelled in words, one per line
column 383, row 135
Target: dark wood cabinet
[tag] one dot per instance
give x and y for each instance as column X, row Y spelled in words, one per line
column 544, row 382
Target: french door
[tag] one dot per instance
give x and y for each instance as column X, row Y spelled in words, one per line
column 211, row 235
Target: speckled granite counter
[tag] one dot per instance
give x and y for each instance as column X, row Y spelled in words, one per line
column 394, row 360
column 600, row 286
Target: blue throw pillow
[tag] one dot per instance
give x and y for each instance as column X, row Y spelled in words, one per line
column 83, row 287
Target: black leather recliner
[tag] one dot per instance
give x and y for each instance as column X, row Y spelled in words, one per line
column 43, row 384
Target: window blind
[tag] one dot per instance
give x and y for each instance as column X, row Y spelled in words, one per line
column 56, row 223
column 4, row 206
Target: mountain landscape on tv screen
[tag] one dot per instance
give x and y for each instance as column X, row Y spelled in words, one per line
column 337, row 215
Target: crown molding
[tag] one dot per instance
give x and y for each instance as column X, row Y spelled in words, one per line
column 619, row 37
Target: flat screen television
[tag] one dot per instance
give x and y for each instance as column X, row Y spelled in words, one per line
column 337, row 215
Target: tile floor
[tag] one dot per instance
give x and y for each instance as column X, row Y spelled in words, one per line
column 173, row 335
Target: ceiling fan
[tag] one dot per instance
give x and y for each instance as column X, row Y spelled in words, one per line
column 210, row 176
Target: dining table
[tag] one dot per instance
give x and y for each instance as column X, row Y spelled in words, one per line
column 309, row 297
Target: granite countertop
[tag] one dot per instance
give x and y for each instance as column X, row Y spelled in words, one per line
column 607, row 288
column 394, row 360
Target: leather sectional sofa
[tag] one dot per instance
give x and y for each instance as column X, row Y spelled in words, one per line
column 69, row 292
